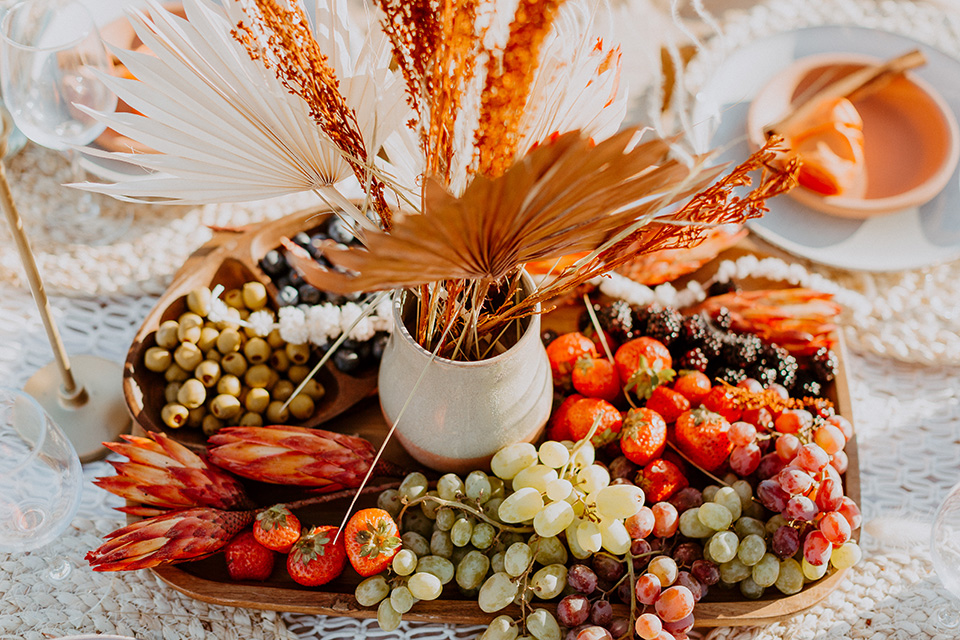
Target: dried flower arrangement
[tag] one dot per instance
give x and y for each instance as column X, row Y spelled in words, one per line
column 508, row 129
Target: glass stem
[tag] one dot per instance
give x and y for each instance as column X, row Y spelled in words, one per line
column 87, row 207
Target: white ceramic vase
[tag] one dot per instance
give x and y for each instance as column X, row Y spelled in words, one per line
column 463, row 412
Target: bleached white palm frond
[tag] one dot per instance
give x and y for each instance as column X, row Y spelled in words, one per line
column 224, row 127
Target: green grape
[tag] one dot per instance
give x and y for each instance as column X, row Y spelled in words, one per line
column 458, row 553
column 491, row 508
column 790, row 580
column 430, row 507
column 723, row 545
column 523, row 597
column 425, row 586
column 727, row 497
column 440, row 544
column 750, row 589
column 754, row 510
column 751, row 550
column 614, row 537
column 690, row 524
column 497, row 592
column 619, row 501
column 775, row 523
column 709, row 491
column 496, row 562
column 401, row 599
column 404, row 563
column 472, row 569
column 553, row 454
column 517, row 558
column 746, row 526
column 521, row 505
column 734, row 571
column 550, row 550
column 766, row 572
column 584, row 455
column 846, row 555
column 553, row 519
column 501, row 628
column 497, row 489
column 559, row 489
column 389, row 501
column 592, row 478
column 537, row 477
column 413, row 486
column 445, row 518
column 450, row 487
column 477, row 486
column 372, row 590
column 387, row 617
column 512, row 459
column 483, row 535
column 716, row 516
column 414, row 520
column 461, row 531
column 511, row 537
column 745, row 490
column 542, row 625
column 437, row 566
column 549, row 581
column 416, row 543
column 589, row 537
column 813, row 572
column 573, row 542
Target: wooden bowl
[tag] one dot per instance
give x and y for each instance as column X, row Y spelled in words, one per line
column 229, row 259
column 911, row 139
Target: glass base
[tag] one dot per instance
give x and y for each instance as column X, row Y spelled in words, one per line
column 948, row 617
column 83, row 224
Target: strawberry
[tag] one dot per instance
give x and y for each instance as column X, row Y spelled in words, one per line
column 564, row 353
column 276, row 528
column 372, row 538
column 693, row 385
column 559, row 427
column 702, row 435
column 247, row 559
column 668, row 403
column 644, row 435
column 596, row 378
column 582, row 415
column 315, row 559
column 612, row 344
column 643, row 364
column 660, row 479
column 721, row 400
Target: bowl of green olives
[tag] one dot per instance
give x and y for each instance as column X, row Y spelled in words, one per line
column 188, row 375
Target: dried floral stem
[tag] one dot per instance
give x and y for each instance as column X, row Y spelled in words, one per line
column 336, row 495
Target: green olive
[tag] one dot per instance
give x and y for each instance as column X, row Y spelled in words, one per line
column 254, row 295
column 257, row 400
column 228, row 341
column 234, row 363
column 258, row 376
column 174, row 415
column 276, row 414
column 208, row 373
column 274, row 339
column 167, row 334
column 250, row 419
column 301, row 407
column 198, row 301
column 208, row 339
column 195, row 417
column 211, row 424
column 170, row 392
column 188, row 355
column 234, row 298
column 298, row 353
column 175, row 373
column 297, row 373
column 192, row 394
column 225, row 407
column 157, row 359
column 256, row 350
column 229, row 384
column 282, row 390
column 279, row 361
column 314, row 389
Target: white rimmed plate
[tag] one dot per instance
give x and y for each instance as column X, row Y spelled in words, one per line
column 909, row 239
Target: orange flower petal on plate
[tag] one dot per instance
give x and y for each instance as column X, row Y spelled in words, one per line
column 830, row 142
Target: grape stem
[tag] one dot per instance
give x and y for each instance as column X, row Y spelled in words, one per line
column 459, row 505
column 702, row 470
column 633, row 594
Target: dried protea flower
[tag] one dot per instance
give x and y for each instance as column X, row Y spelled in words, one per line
column 163, row 473
column 177, row 536
column 293, row 456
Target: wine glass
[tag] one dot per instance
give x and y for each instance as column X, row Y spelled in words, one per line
column 40, row 476
column 51, row 55
column 945, row 547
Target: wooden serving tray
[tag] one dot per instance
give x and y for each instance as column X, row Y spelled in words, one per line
column 207, row 579
column 230, row 258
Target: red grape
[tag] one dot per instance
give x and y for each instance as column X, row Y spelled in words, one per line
column 839, row 461
column 621, row 467
column 648, row 588
column 594, row 633
column 648, row 626
column 582, row 578
column 760, row 418
column 830, row 439
column 666, row 519
column 795, row 481
column 780, row 390
column 800, row 508
column 785, row 541
column 816, row 548
column 835, row 528
column 772, row 496
column 675, row 603
column 812, row 457
column 687, row 553
column 679, row 626
column 618, row 628
column 686, row 579
column 744, row 460
column 573, row 610
column 770, row 465
column 742, row 433
column 829, row 495
column 706, row 572
column 601, row 613
column 845, row 426
column 686, row 498
column 640, row 549
column 787, row 446
column 640, row 524
column 849, row 510
column 607, row 567
column 790, row 421
column 750, row 384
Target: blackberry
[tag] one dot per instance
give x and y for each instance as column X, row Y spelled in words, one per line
column 616, row 318
column 720, row 288
column 711, row 345
column 823, row 365
column 741, row 352
column 664, row 325
column 731, row 375
column 807, row 387
column 694, row 360
column 723, row 319
column 693, row 329
column 641, row 317
column 548, row 336
column 763, row 374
